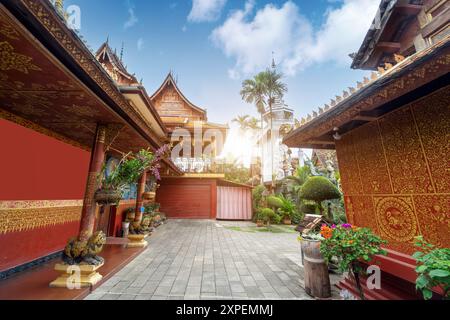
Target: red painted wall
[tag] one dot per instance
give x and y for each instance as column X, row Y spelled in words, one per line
column 36, row 167
column 17, row 248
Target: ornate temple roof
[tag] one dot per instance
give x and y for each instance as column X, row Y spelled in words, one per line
column 369, row 99
column 170, row 81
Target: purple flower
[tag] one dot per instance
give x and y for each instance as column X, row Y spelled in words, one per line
column 333, row 226
column 346, row 225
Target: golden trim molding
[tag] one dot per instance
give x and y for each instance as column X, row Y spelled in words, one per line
column 37, row 214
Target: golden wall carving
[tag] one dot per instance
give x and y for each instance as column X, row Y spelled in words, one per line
column 16, row 216
column 396, row 173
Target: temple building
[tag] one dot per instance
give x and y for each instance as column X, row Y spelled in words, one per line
column 65, row 114
column 392, row 137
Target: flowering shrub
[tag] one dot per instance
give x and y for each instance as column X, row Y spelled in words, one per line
column 433, row 269
column 350, row 244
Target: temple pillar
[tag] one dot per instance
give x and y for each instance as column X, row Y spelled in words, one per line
column 95, row 168
column 139, row 197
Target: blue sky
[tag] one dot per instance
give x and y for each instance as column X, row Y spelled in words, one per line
column 212, row 45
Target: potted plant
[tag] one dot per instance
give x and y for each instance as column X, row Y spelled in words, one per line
column 286, row 210
column 433, row 269
column 260, row 218
column 350, row 245
column 126, row 172
column 139, row 231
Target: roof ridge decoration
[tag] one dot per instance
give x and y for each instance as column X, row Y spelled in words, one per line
column 169, row 79
column 375, row 76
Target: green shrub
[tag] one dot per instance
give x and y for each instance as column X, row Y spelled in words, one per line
column 287, row 208
column 319, row 189
column 297, row 217
column 274, row 202
column 307, row 207
column 258, row 197
column 433, row 268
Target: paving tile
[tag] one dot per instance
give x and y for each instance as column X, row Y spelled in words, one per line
column 200, row 259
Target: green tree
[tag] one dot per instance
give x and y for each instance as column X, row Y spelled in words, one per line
column 263, row 90
column 319, row 189
column 242, row 121
column 253, row 92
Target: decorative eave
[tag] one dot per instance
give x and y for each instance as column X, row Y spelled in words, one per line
column 170, row 80
column 49, row 28
column 140, row 90
column 42, row 20
column 390, row 88
column 385, row 17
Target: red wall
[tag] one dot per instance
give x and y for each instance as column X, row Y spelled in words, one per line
column 17, row 248
column 36, row 167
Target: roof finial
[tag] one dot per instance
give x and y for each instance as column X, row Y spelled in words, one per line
column 59, row 4
column 107, row 39
column 121, row 52
column 274, row 66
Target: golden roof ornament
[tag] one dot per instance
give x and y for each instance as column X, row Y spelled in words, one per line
column 352, row 90
column 59, row 5
column 398, row 58
column 315, row 114
column 359, row 85
column 338, row 99
column 333, row 102
column 327, row 107
column 321, row 111
column 388, row 65
column 303, row 121
column 374, row 76
column 381, row 70
column 366, row 80
column 345, row 94
column 308, row 118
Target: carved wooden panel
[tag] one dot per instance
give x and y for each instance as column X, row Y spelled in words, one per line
column 410, row 148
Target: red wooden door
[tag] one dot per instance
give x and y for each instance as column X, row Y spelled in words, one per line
column 185, row 201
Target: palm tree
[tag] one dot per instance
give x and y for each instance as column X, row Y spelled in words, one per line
column 242, row 121
column 273, row 88
column 253, row 123
column 253, row 91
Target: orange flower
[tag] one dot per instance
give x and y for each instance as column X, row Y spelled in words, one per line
column 326, row 232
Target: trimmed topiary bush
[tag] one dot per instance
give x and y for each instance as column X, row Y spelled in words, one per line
column 319, row 189
column 274, row 202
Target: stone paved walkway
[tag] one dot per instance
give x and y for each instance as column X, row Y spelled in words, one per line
column 204, row 259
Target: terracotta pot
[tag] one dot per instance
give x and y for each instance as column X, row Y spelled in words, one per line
column 149, row 195
column 106, row 196
column 260, row 223
column 287, row 222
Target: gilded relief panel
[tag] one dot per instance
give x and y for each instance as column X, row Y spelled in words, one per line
column 433, row 122
column 404, row 154
column 371, row 160
column 348, row 166
column 433, row 213
column 412, row 153
column 361, row 212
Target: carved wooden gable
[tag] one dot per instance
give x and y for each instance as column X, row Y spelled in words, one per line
column 169, row 103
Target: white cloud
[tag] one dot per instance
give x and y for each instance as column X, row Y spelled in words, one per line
column 132, row 18
column 250, row 38
column 140, row 44
column 206, row 10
